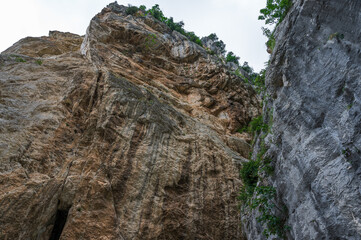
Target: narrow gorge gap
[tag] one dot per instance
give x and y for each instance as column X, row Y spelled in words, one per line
column 60, row 220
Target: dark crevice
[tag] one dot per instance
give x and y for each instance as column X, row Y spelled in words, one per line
column 60, row 220
column 95, row 96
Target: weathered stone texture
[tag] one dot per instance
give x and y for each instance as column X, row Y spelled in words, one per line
column 126, row 133
column 314, row 85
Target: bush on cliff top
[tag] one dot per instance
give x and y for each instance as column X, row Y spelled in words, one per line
column 232, row 58
column 158, row 14
column 131, row 10
column 275, row 11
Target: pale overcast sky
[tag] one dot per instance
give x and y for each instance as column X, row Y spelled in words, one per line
column 234, row 21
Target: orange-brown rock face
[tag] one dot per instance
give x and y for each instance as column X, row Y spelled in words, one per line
column 127, row 133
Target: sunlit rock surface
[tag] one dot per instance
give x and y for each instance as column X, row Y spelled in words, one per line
column 128, row 132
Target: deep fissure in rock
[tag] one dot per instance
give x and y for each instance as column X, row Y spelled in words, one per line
column 60, row 220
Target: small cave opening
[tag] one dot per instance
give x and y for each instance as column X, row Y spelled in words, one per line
column 60, row 220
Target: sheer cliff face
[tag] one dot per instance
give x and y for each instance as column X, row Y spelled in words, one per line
column 314, row 86
column 127, row 133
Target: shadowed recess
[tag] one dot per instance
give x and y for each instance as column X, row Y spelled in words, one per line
column 60, row 220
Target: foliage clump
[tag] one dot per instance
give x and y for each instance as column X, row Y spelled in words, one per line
column 131, row 10
column 158, row 14
column 150, row 42
column 18, row 59
column 232, row 58
column 256, row 126
column 274, row 12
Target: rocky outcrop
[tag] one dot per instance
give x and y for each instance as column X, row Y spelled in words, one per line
column 126, row 133
column 315, row 144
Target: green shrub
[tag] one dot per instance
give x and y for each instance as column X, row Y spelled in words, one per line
column 194, row 38
column 39, row 62
column 232, row 58
column 131, row 10
column 261, row 198
column 257, row 125
column 19, row 59
column 267, row 167
column 175, row 26
column 275, row 11
column 150, row 42
column 213, row 37
column 157, row 13
column 264, row 203
column 249, row 173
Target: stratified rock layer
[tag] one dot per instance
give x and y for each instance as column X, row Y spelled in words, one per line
column 315, row 88
column 127, row 133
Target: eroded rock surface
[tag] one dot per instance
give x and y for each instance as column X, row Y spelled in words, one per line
column 314, row 85
column 126, row 133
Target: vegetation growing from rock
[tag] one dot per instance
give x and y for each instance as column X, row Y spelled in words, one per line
column 131, row 10
column 254, row 194
column 232, row 58
column 158, row 14
column 219, row 43
column 274, row 12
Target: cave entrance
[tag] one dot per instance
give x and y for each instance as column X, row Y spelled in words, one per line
column 60, row 220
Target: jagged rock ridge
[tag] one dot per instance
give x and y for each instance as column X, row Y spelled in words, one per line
column 126, row 133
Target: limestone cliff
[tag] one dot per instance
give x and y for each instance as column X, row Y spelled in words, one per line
column 314, row 88
column 126, row 133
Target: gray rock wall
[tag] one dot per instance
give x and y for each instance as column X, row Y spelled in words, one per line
column 314, row 88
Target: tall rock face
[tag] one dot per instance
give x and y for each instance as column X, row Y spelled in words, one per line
column 126, row 133
column 314, row 90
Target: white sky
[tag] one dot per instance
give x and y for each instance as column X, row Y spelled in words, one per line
column 234, row 21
